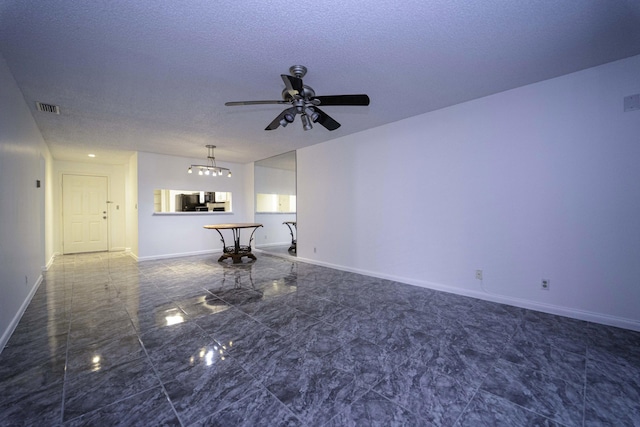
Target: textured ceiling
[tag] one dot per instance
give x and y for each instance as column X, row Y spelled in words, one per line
column 152, row 75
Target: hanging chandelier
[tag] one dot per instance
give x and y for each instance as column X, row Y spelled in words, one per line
column 211, row 168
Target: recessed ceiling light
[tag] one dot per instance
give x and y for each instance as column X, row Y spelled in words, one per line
column 92, row 155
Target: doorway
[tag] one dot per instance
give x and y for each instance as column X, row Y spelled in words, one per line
column 84, row 213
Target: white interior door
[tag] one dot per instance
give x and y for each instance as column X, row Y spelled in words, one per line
column 84, row 213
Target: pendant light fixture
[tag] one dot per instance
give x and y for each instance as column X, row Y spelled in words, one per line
column 211, row 168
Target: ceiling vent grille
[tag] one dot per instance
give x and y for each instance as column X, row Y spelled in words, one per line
column 48, row 108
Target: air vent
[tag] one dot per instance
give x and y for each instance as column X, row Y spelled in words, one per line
column 48, row 108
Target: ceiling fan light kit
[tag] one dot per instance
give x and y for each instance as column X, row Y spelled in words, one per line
column 211, row 168
column 303, row 101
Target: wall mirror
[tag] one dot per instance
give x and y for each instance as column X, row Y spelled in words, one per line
column 275, row 203
column 172, row 201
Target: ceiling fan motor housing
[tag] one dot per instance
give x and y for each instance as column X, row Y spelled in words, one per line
column 307, row 92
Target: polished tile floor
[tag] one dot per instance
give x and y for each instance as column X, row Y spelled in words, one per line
column 188, row 341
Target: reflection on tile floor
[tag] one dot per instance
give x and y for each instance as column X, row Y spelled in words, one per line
column 188, row 341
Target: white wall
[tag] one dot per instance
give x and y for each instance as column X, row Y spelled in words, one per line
column 537, row 182
column 25, row 236
column 131, row 196
column 169, row 235
column 118, row 183
column 274, row 181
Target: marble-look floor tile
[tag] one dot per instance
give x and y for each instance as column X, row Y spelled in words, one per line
column 474, row 336
column 30, row 370
column 281, row 342
column 41, row 407
column 466, row 365
column 321, row 338
column 148, row 408
column 491, row 321
column 376, row 330
column 609, row 344
column 103, row 354
column 560, row 332
column 154, row 316
column 548, row 360
column 368, row 362
column 487, row 410
column 93, row 390
column 551, row 397
column 201, row 296
column 319, row 308
column 173, row 336
column 276, row 287
column 264, row 306
column 407, row 318
column 45, row 319
column 255, row 346
column 373, row 409
column 286, row 321
column 239, row 297
column 211, row 306
column 231, row 322
column 426, row 392
column 206, row 390
column 36, row 344
column 172, row 361
column 281, row 355
column 613, row 394
column 411, row 342
column 314, row 392
column 407, row 296
column 31, row 377
column 83, row 333
column 360, row 324
column 258, row 409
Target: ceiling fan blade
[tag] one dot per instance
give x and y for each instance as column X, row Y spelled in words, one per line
column 287, row 115
column 325, row 120
column 231, row 104
column 342, row 99
column 293, row 84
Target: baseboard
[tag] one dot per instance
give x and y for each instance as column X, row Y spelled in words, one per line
column 49, row 263
column 573, row 313
column 118, row 249
column 178, row 255
column 16, row 319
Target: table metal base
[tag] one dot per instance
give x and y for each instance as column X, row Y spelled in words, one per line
column 237, row 255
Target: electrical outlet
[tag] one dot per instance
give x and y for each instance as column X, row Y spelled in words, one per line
column 314, row 249
column 479, row 274
column 544, row 284
column 632, row 102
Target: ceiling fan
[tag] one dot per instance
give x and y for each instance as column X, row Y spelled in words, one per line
column 303, row 101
